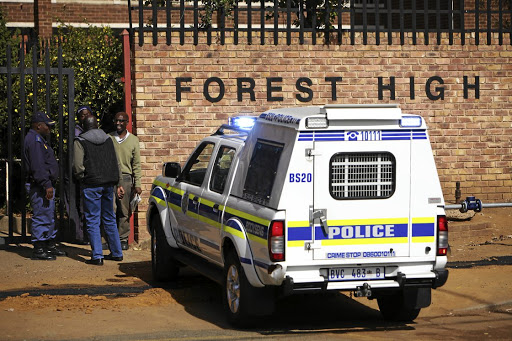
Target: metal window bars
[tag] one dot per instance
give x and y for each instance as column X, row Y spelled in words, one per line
column 362, row 175
column 336, row 20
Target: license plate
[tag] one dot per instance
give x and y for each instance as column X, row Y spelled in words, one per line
column 354, row 274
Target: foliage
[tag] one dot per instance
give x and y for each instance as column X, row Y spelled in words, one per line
column 312, row 10
column 95, row 55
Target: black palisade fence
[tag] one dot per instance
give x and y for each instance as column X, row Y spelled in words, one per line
column 336, row 21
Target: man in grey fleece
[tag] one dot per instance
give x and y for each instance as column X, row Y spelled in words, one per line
column 97, row 167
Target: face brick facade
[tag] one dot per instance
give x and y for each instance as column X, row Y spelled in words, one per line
column 470, row 136
column 181, row 93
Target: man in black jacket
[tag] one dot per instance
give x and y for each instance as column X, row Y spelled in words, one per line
column 97, row 167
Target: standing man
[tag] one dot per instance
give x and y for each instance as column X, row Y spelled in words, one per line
column 81, row 114
column 76, row 213
column 97, row 168
column 127, row 147
column 42, row 172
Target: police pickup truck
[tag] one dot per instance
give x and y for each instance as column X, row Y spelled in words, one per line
column 334, row 197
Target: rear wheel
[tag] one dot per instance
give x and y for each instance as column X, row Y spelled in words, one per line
column 398, row 307
column 242, row 301
column 164, row 266
column 236, row 291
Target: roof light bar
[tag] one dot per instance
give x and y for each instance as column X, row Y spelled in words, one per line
column 410, row 121
column 243, row 122
column 316, row 122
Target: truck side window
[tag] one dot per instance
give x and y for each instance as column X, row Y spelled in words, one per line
column 195, row 169
column 262, row 171
column 221, row 168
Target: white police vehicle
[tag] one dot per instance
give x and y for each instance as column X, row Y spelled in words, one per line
column 311, row 199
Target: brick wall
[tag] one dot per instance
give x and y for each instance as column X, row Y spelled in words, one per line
column 470, row 137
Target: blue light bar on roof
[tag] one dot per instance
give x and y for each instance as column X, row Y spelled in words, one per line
column 242, row 122
column 410, row 121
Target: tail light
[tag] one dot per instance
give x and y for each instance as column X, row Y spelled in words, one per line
column 276, row 241
column 442, row 235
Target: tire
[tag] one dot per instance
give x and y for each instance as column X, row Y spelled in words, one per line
column 236, row 292
column 397, row 307
column 163, row 265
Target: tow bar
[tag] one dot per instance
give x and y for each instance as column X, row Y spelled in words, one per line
column 363, row 291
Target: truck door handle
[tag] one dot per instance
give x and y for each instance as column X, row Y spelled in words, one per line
column 195, row 201
column 216, row 208
column 320, row 214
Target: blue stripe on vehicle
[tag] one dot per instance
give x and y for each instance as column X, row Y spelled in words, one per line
column 423, row 229
column 261, row 264
column 340, row 135
column 299, row 233
column 173, row 198
column 231, row 223
column 158, row 194
column 207, row 211
column 245, row 260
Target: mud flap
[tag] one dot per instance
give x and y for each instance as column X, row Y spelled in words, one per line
column 262, row 301
column 417, row 298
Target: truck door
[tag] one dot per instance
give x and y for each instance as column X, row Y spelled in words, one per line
column 361, row 194
column 190, row 185
column 212, row 202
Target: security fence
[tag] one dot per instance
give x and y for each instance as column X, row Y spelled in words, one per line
column 337, row 21
column 31, row 82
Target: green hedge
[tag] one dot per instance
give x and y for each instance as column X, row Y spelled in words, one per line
column 95, row 55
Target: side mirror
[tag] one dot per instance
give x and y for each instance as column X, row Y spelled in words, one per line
column 171, row 169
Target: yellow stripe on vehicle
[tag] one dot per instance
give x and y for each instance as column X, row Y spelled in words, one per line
column 429, row 239
column 209, row 221
column 159, row 201
column 234, row 232
column 300, row 223
column 247, row 216
column 257, row 239
column 295, row 243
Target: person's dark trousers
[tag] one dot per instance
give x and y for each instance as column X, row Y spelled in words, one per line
column 75, row 213
column 99, row 206
column 43, row 221
column 123, row 210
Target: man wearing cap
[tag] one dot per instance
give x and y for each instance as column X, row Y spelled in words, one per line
column 42, row 172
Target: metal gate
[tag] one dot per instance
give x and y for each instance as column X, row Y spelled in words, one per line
column 33, row 65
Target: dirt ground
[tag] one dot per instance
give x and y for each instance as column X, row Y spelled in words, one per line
column 32, row 289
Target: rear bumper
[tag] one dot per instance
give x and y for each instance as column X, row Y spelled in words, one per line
column 441, row 278
column 434, row 279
